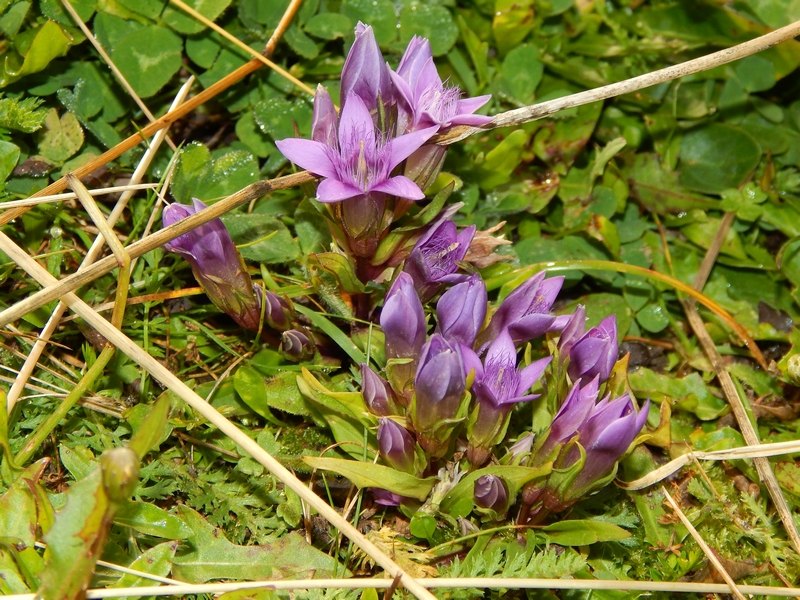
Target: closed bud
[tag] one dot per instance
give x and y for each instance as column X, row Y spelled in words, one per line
column 595, row 353
column 376, row 392
column 296, row 345
column 396, row 445
column 276, row 311
column 461, row 311
column 403, row 319
column 490, row 492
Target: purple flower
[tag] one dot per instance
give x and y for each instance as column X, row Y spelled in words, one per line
column 439, row 385
column 296, row 345
column 377, row 394
column 435, row 257
column 396, row 445
column 216, row 264
column 325, row 121
column 403, row 319
column 423, row 98
column 491, row 493
column 498, row 386
column 606, row 434
column 571, row 416
column 365, row 73
column 526, row 311
column 461, row 310
column 361, row 161
column 572, row 330
column 595, row 353
column 386, row 498
column 276, row 312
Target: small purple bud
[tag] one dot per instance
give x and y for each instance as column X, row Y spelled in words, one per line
column 403, row 319
column 325, row 124
column 595, row 353
column 396, row 445
column 296, row 345
column 526, row 311
column 436, row 257
column 216, row 264
column 365, row 72
column 522, row 447
column 491, row 493
column 461, row 311
column 377, row 394
column 276, row 312
column 386, row 498
column 439, row 384
column 572, row 331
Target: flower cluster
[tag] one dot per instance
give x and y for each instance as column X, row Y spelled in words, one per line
column 372, row 156
column 450, row 390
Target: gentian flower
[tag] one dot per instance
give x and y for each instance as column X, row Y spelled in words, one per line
column 396, row 445
column 435, row 257
column 525, row 312
column 595, row 353
column 424, row 99
column 361, row 161
column 276, row 311
column 376, row 392
column 461, row 310
column 365, row 72
column 216, row 264
column 439, row 388
column 573, row 328
column 386, row 498
column 490, row 492
column 324, row 125
column 570, row 416
column 403, row 319
column 497, row 387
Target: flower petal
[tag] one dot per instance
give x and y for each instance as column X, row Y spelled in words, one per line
column 310, row 155
column 400, row 148
column 400, row 186
column 355, row 127
column 332, row 190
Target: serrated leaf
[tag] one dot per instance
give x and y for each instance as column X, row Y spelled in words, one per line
column 369, row 475
column 212, row 556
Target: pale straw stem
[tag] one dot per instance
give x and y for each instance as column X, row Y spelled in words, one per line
column 34, row 201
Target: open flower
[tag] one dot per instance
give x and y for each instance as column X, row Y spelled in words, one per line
column 424, row 99
column 216, row 264
column 435, row 257
column 526, row 311
column 361, row 161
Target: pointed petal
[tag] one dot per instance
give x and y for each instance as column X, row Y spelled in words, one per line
column 471, row 120
column 400, row 148
column 405, row 91
column 323, row 128
column 531, row 374
column 417, row 53
column 470, row 105
column 331, row 190
column 400, row 186
column 355, row 126
column 308, row 154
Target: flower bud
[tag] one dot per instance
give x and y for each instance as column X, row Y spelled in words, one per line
column 491, row 493
column 296, row 345
column 572, row 331
column 436, row 257
column 216, row 264
column 526, row 311
column 439, row 388
column 386, row 498
column 365, row 72
column 377, row 394
column 461, row 311
column 276, row 311
column 396, row 445
column 595, row 353
column 403, row 319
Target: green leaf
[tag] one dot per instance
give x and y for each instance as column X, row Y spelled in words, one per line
column 520, row 73
column 183, row 23
column 148, row 58
column 262, row 238
column 154, row 561
column 513, row 21
column 689, row 393
column 380, row 14
column 428, row 20
column 150, row 425
column 212, row 556
column 329, row 26
column 262, row 394
column 717, row 157
column 62, row 137
column 333, row 332
column 25, row 506
column 50, row 42
column 9, row 155
column 369, row 475
column 653, row 317
column 280, row 118
column 149, row 519
column 341, row 267
column 582, row 532
column 199, row 175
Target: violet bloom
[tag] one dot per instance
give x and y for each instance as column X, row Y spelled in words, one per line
column 276, row 312
column 424, row 100
column 365, row 73
column 595, row 353
column 217, row 265
column 491, row 493
column 434, row 259
column 461, row 311
column 605, row 436
column 572, row 330
column 403, row 319
column 439, row 386
column 324, row 126
column 570, row 416
column 361, row 161
column 497, row 387
column 525, row 312
column 396, row 445
column 386, row 498
column 376, row 392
